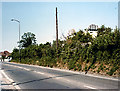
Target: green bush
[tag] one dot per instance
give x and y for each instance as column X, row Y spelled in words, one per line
column 98, row 70
column 51, row 65
column 112, row 71
column 86, row 68
column 93, row 66
column 104, row 48
column 107, row 68
column 79, row 67
column 101, row 67
column 75, row 68
column 71, row 64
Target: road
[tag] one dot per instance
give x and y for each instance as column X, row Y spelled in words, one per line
column 37, row 77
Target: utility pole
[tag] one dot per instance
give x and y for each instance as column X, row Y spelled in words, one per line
column 56, row 33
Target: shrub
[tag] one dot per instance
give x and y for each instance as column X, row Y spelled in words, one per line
column 51, row 65
column 98, row 70
column 71, row 67
column 75, row 68
column 107, row 68
column 71, row 64
column 112, row 71
column 85, row 67
column 101, row 67
column 93, row 66
column 79, row 67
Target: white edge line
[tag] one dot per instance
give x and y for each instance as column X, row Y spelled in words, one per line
column 39, row 72
column 82, row 73
column 14, row 84
column 6, row 76
column 53, row 75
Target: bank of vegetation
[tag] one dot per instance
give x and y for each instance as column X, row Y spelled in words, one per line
column 78, row 52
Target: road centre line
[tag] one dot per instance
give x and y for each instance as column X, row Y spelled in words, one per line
column 39, row 72
column 26, row 69
column 82, row 73
column 89, row 87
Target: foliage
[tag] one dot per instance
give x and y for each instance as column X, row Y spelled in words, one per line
column 78, row 47
column 112, row 71
column 79, row 67
column 27, row 39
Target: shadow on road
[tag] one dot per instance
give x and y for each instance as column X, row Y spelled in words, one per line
column 44, row 79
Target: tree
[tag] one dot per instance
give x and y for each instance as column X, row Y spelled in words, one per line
column 28, row 39
column 101, row 30
column 15, row 53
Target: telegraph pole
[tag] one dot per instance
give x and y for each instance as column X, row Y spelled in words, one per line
column 56, row 33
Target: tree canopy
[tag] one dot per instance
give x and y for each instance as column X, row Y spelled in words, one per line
column 27, row 39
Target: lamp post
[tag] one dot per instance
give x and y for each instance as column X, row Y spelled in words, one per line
column 19, row 37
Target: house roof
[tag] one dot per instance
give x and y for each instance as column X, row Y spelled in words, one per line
column 5, row 53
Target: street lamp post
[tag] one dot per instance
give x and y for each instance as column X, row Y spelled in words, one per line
column 19, row 37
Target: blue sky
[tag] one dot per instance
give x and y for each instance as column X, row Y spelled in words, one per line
column 39, row 18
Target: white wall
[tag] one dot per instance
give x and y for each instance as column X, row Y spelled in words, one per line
column 93, row 33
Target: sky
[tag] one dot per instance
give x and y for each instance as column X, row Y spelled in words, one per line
column 39, row 18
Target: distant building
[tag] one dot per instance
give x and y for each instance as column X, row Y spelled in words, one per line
column 1, row 54
column 5, row 54
column 92, row 29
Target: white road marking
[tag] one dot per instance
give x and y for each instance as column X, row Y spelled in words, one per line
column 26, row 69
column 50, row 75
column 14, row 84
column 82, row 73
column 6, row 76
column 68, row 80
column 64, row 79
column 39, row 72
column 89, row 87
column 57, row 78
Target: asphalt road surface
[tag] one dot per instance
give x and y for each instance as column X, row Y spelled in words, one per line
column 37, row 77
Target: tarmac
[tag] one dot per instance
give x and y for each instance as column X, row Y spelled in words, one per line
column 5, row 83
